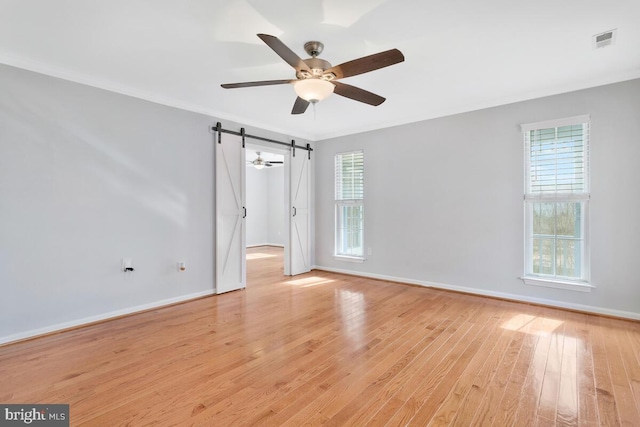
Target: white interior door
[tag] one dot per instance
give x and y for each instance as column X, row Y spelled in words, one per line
column 299, row 233
column 230, row 214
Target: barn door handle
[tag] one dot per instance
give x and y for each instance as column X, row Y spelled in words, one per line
column 294, row 211
column 245, row 212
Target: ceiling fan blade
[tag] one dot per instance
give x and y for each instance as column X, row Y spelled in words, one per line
column 284, row 52
column 366, row 64
column 300, row 106
column 261, row 83
column 357, row 94
column 273, row 162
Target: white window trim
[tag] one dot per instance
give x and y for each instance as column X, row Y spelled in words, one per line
column 356, row 259
column 584, row 118
column 554, row 281
column 358, row 202
column 557, row 283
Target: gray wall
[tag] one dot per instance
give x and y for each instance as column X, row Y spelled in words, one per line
column 444, row 200
column 88, row 177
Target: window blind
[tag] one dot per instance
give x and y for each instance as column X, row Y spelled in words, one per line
column 557, row 161
column 349, row 169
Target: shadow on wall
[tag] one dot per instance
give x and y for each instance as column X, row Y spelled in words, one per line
column 79, row 155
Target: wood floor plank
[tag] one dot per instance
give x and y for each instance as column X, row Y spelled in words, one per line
column 443, row 361
column 395, row 364
column 493, row 393
column 527, row 412
column 477, row 387
column 587, row 402
column 620, row 376
column 548, row 404
column 439, row 329
column 506, row 413
column 376, row 349
column 459, row 362
column 567, row 408
column 607, row 405
column 631, row 359
column 449, row 408
column 335, row 350
column 359, row 411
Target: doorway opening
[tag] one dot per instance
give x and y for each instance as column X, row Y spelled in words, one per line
column 266, row 232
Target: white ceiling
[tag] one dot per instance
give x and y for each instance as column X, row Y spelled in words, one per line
column 461, row 55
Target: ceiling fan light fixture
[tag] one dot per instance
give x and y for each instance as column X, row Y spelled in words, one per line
column 313, row 90
column 259, row 162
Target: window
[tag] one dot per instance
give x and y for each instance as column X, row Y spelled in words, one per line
column 557, row 203
column 349, row 201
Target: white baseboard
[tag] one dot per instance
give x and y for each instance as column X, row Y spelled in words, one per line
column 502, row 295
column 105, row 316
column 277, row 245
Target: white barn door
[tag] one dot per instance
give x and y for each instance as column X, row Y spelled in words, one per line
column 299, row 224
column 230, row 214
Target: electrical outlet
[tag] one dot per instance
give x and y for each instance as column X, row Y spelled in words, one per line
column 369, row 251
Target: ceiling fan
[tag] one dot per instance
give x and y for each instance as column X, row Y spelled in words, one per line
column 260, row 163
column 316, row 78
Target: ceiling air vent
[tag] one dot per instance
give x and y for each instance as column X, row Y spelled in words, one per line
column 604, row 39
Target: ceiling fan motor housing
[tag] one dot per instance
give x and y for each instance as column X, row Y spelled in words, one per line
column 317, row 67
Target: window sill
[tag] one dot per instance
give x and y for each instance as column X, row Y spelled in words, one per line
column 557, row 284
column 349, row 258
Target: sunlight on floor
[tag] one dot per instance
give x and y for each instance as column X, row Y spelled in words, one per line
column 531, row 324
column 353, row 314
column 258, row 255
column 308, row 282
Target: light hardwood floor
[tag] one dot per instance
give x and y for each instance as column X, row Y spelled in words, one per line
column 325, row 348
